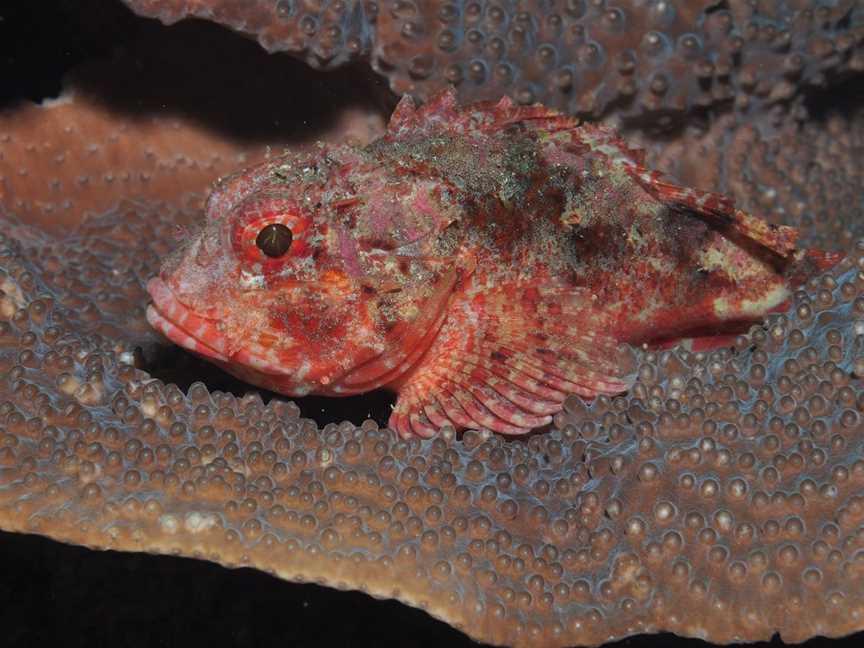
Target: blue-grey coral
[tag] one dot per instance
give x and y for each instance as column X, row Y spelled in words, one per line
column 721, row 498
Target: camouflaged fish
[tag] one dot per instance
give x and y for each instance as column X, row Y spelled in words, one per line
column 484, row 262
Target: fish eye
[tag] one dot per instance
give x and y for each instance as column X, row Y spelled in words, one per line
column 274, row 240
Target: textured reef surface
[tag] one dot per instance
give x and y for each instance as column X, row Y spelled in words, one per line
column 721, row 498
column 654, row 59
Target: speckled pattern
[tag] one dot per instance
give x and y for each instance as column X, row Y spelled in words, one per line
column 649, row 60
column 484, row 262
column 721, row 498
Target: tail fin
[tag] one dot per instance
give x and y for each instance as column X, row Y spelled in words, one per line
column 823, row 260
column 810, row 263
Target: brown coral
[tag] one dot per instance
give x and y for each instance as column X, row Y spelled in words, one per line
column 722, row 498
column 69, row 158
column 673, row 508
column 324, row 34
column 652, row 59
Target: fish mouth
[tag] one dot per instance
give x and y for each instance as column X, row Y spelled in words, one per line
column 182, row 325
column 201, row 335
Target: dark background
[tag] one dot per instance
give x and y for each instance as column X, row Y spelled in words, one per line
column 57, row 595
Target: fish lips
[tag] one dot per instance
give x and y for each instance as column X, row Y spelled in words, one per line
column 182, row 325
column 201, row 335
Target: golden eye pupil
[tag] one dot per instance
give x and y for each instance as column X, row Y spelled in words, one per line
column 274, row 240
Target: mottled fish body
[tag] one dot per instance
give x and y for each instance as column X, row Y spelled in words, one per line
column 484, row 262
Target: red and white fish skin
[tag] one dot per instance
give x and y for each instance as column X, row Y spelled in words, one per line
column 484, row 262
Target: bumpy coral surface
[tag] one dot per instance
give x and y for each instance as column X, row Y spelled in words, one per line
column 721, row 498
column 655, row 58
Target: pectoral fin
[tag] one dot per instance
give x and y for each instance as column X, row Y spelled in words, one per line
column 507, row 358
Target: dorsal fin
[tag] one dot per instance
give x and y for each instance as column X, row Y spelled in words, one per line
column 403, row 116
column 438, row 114
column 442, row 114
column 719, row 209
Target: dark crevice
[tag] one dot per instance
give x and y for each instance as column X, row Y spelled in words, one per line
column 844, row 99
column 721, row 5
column 200, row 71
column 41, row 41
column 173, row 365
column 194, row 69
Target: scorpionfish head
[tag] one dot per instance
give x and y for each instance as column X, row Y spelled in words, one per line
column 305, row 278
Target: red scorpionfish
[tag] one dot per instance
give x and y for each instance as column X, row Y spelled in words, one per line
column 484, row 262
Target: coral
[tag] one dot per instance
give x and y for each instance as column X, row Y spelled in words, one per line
column 324, row 34
column 761, row 445
column 69, row 158
column 652, row 59
column 720, row 498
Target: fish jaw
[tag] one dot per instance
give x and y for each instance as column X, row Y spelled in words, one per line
column 306, row 365
column 204, row 337
column 180, row 324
